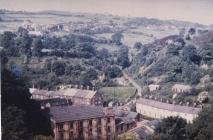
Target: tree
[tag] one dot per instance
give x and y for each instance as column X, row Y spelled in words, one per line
column 113, row 72
column 37, row 46
column 58, row 68
column 138, row 45
column 202, row 127
column 116, row 38
column 7, row 39
column 190, row 54
column 123, row 59
column 17, row 105
column 14, row 127
column 171, row 128
column 24, row 43
column 192, row 31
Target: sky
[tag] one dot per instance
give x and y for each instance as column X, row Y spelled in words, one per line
column 200, row 11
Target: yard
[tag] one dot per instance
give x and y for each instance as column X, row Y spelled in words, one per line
column 119, row 93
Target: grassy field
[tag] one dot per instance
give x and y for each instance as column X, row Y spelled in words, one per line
column 120, row 93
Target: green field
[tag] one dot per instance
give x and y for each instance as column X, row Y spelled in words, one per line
column 120, row 93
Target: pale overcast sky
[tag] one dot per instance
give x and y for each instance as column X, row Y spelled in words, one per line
column 200, row 11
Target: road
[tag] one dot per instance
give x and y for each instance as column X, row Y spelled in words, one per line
column 135, row 84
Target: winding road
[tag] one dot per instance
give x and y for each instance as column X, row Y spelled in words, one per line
column 135, row 84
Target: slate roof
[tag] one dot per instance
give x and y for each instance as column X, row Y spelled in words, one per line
column 169, row 107
column 180, row 86
column 141, row 132
column 71, row 113
column 125, row 116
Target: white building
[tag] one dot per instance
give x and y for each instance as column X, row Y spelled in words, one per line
column 153, row 87
column 158, row 110
column 179, row 88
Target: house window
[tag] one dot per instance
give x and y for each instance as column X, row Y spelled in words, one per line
column 90, row 132
column 61, row 135
column 99, row 130
column 108, row 129
column 99, row 121
column 60, row 126
column 81, row 123
column 71, row 125
column 108, row 120
column 90, row 122
column 71, row 135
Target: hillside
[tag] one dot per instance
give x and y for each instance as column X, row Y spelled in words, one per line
column 176, row 59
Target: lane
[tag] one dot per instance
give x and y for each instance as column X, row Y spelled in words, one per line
column 135, row 84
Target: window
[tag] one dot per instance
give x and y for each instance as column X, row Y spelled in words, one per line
column 90, row 132
column 81, row 123
column 108, row 120
column 71, row 135
column 99, row 121
column 108, row 129
column 60, row 126
column 71, row 125
column 90, row 122
column 62, row 135
column 99, row 130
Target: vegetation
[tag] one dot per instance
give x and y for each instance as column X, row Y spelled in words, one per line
column 119, row 93
column 171, row 128
column 174, row 128
column 44, row 59
column 174, row 60
column 22, row 117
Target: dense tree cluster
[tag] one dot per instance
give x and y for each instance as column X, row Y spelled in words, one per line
column 22, row 117
column 178, row 61
column 175, row 128
column 44, row 58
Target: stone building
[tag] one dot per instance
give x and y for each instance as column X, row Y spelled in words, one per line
column 82, row 122
column 158, row 110
column 144, row 129
column 78, row 96
column 153, row 87
column 179, row 88
column 54, row 102
column 125, row 120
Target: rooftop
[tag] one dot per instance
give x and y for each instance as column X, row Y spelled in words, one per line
column 125, row 116
column 71, row 113
column 169, row 107
column 74, row 92
column 181, row 86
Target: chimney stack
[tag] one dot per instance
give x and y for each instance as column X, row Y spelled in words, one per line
column 87, row 87
column 76, row 86
column 167, row 101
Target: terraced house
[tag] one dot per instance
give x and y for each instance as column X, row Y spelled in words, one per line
column 82, row 122
column 78, row 96
column 157, row 109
